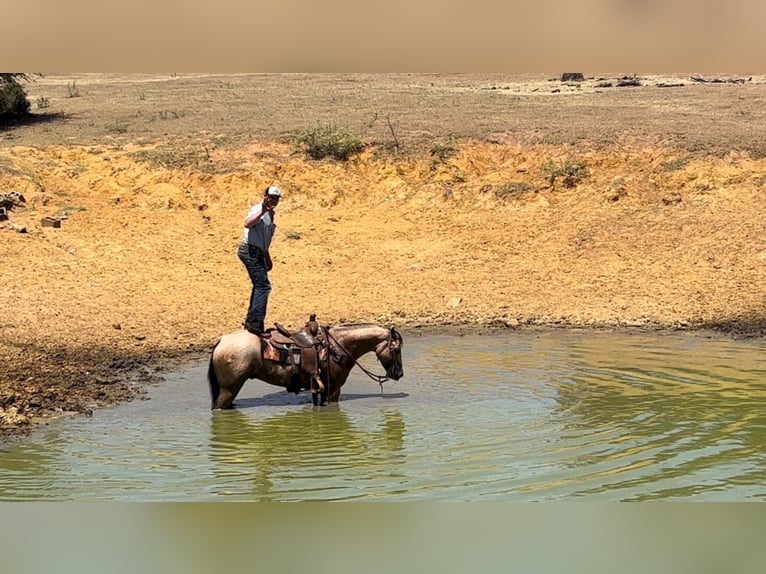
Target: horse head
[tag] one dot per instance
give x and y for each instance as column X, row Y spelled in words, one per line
column 389, row 353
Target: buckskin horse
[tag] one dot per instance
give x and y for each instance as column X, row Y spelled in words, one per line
column 316, row 358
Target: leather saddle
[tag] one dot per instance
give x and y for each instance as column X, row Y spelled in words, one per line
column 304, row 350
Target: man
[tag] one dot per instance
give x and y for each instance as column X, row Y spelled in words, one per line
column 254, row 254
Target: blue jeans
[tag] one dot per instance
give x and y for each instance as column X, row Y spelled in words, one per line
column 253, row 260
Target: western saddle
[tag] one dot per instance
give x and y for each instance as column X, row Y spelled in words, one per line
column 304, row 350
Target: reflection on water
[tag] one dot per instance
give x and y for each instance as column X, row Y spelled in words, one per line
column 523, row 416
column 302, row 454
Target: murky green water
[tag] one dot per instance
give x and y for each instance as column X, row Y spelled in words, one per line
column 555, row 416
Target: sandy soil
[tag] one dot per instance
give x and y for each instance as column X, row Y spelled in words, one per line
column 458, row 215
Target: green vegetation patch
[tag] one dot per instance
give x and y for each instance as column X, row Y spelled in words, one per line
column 329, row 140
column 570, row 172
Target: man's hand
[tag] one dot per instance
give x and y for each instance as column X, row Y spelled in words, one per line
column 269, row 204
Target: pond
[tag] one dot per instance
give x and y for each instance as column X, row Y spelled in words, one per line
column 523, row 416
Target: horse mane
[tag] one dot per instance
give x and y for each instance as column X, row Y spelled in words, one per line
column 356, row 326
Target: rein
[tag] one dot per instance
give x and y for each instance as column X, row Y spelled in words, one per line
column 380, row 379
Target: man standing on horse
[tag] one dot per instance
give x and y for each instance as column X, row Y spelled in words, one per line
column 254, row 254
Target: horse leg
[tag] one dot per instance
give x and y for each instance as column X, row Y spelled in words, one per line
column 225, row 400
column 228, row 393
column 315, row 388
column 321, row 391
column 318, row 391
column 229, row 382
column 332, row 389
column 333, row 396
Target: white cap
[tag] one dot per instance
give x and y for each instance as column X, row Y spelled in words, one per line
column 274, row 191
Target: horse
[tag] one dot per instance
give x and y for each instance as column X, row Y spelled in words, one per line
column 237, row 357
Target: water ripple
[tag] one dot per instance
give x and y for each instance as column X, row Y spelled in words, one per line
column 546, row 416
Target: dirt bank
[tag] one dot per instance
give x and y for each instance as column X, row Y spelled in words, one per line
column 490, row 225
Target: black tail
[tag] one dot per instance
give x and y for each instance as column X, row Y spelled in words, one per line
column 212, row 379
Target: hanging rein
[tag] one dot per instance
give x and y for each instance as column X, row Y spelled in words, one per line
column 380, row 379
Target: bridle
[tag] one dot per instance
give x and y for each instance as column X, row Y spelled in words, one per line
column 393, row 336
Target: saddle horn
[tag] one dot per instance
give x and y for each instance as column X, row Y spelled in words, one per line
column 312, row 326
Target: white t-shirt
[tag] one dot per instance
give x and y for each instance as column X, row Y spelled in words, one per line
column 262, row 232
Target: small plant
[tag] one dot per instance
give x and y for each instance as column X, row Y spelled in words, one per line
column 170, row 114
column 68, row 210
column 74, row 91
column 295, row 235
column 569, row 171
column 43, row 102
column 330, row 141
column 511, row 189
column 443, row 152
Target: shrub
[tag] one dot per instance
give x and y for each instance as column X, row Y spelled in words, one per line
column 330, row 141
column 571, row 172
column 13, row 101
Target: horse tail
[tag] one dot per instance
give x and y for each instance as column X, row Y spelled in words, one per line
column 212, row 378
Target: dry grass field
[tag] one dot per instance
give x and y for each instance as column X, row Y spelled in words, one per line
column 479, row 202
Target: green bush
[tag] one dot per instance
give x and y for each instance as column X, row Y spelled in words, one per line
column 13, row 101
column 330, row 141
column 571, row 172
